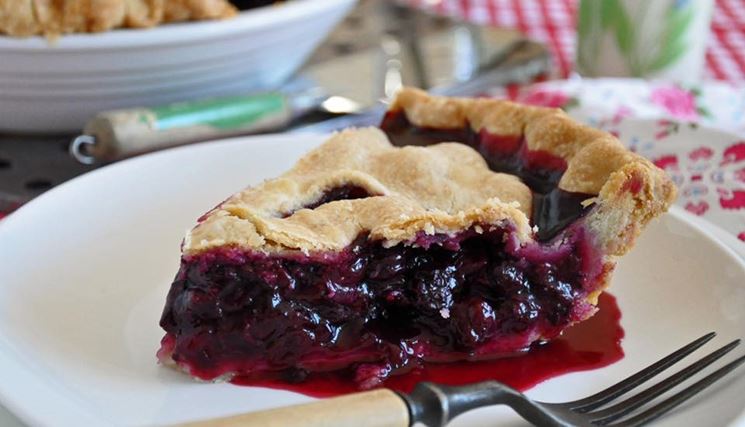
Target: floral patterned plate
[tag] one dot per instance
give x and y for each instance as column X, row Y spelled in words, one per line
column 697, row 134
column 707, row 165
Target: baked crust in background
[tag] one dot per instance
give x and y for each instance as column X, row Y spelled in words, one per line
column 24, row 18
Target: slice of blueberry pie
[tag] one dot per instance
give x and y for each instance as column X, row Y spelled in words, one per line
column 466, row 229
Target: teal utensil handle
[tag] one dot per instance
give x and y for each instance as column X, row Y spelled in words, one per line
column 118, row 134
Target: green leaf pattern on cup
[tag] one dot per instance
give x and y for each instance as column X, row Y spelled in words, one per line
column 677, row 23
column 589, row 29
column 617, row 19
column 599, row 18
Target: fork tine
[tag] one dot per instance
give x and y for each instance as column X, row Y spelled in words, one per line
column 612, row 392
column 605, row 416
column 670, row 403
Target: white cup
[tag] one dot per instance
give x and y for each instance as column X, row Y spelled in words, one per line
column 663, row 39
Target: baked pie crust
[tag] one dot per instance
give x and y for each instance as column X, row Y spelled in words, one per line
column 403, row 204
column 22, row 18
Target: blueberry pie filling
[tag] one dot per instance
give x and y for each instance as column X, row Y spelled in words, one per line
column 465, row 230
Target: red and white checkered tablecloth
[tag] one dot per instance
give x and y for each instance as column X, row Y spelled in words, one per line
column 553, row 22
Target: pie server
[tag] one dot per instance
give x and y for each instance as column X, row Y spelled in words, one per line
column 383, row 46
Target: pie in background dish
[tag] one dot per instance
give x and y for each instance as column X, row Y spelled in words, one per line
column 22, row 18
column 373, row 255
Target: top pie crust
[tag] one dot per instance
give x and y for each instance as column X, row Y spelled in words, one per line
column 442, row 188
column 53, row 17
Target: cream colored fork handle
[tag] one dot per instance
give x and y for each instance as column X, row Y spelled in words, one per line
column 378, row 408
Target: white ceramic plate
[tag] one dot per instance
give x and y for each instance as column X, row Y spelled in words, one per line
column 86, row 267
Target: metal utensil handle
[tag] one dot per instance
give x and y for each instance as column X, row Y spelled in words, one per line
column 123, row 133
column 435, row 405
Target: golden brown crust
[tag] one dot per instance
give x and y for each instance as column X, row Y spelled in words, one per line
column 631, row 190
column 143, row 13
column 17, row 17
column 443, row 188
column 22, row 18
column 186, row 10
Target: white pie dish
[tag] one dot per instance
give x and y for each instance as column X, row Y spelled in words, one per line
column 53, row 87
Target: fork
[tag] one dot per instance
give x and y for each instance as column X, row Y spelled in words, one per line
column 435, row 405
